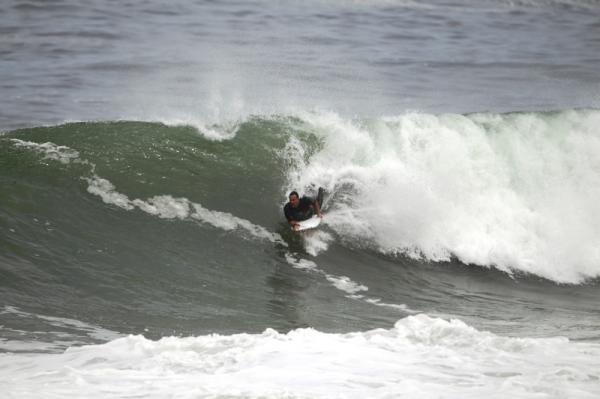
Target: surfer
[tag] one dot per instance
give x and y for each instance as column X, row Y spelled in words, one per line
column 299, row 209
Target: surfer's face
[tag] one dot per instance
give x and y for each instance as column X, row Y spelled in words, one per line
column 294, row 200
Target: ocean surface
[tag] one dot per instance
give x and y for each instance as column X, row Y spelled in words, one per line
column 147, row 149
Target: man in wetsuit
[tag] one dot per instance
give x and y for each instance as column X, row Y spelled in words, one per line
column 299, row 209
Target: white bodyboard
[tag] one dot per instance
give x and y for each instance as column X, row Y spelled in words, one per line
column 309, row 223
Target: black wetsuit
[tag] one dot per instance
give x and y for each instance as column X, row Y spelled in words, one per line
column 303, row 211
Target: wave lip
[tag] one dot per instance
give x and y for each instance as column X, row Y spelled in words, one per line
column 421, row 355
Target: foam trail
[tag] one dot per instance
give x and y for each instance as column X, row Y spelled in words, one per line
column 168, row 207
column 419, row 357
column 342, row 283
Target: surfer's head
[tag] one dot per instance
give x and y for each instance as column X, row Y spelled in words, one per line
column 294, row 199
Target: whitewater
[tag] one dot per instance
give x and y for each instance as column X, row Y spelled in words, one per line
column 515, row 191
column 419, row 356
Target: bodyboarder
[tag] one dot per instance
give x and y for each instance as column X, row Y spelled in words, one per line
column 299, row 209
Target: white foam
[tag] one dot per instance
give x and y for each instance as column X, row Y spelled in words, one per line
column 419, row 357
column 60, row 153
column 316, row 241
column 299, row 263
column 345, row 284
column 106, row 190
column 379, row 302
column 165, row 207
column 518, row 192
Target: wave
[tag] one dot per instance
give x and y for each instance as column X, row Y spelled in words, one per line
column 512, row 191
column 419, row 356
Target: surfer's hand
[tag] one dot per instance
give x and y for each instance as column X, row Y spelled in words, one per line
column 296, row 226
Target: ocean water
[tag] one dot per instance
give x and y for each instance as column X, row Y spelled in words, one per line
column 147, row 147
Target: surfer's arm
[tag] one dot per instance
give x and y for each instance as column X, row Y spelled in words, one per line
column 288, row 216
column 317, row 208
